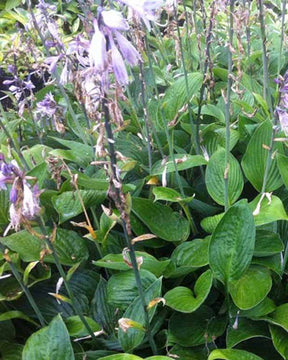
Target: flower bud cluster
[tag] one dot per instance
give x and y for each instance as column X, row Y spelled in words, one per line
column 24, row 199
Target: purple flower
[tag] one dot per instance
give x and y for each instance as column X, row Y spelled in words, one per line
column 114, row 20
column 97, row 49
column 47, row 106
column 144, row 9
column 118, row 65
column 130, row 54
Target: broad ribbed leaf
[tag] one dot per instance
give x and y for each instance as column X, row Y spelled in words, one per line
column 122, row 288
column 231, row 354
column 130, row 339
column 251, row 288
column 167, row 194
column 246, row 329
column 68, row 204
column 185, row 300
column 70, row 247
column 196, row 328
column 280, row 340
column 232, row 243
column 215, row 178
column 267, row 243
column 161, row 220
column 51, row 342
column 121, row 357
column 254, row 160
column 183, row 162
column 176, row 95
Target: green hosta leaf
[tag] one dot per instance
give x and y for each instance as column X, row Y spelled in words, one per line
column 232, row 243
column 215, row 178
column 265, row 307
column 11, row 351
column 76, row 327
column 116, row 262
column 192, row 253
column 121, row 357
column 280, row 340
column 68, row 205
column 195, row 353
column 210, row 223
column 269, row 211
column 246, row 329
column 282, row 162
column 267, row 243
column 273, row 262
column 70, row 247
column 93, row 355
column 176, row 95
column 184, row 300
column 257, row 153
column 231, row 354
column 133, row 337
column 4, row 208
column 183, row 162
column 51, row 342
column 122, row 288
column 214, row 111
column 279, row 317
column 251, row 288
column 163, row 193
column 170, row 226
column 196, row 328
column 16, row 315
column 79, row 153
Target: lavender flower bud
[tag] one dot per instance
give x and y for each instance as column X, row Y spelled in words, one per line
column 118, row 65
column 114, row 20
column 97, row 49
column 13, row 194
column 130, row 54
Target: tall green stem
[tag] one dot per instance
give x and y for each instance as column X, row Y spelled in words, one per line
column 227, row 105
column 118, row 199
column 25, row 289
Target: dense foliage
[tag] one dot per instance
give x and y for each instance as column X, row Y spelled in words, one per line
column 143, row 177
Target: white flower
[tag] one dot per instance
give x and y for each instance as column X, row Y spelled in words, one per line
column 97, row 49
column 114, row 20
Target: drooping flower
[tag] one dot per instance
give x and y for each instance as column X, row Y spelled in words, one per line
column 114, row 20
column 118, row 65
column 282, row 109
column 144, row 9
column 97, row 49
column 130, row 54
column 47, row 107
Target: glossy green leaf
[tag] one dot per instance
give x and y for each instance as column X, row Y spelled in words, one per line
column 265, row 307
column 68, row 205
column 195, row 353
column 183, row 162
column 167, row 194
column 185, row 300
column 14, row 314
column 257, row 153
column 232, row 243
column 282, row 162
column 231, row 354
column 269, row 210
column 116, row 262
column 170, row 226
column 196, row 328
column 273, row 262
column 70, row 247
column 279, row 317
column 51, row 342
column 121, row 357
column 280, row 340
column 246, row 329
column 10, row 351
column 76, row 327
column 210, row 223
column 267, row 243
column 214, row 111
column 192, row 253
column 122, row 288
column 133, row 337
column 215, row 178
column 176, row 95
column 253, row 286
